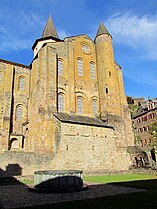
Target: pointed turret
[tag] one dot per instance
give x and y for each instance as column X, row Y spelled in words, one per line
column 49, row 29
column 102, row 30
column 49, row 35
column 108, row 87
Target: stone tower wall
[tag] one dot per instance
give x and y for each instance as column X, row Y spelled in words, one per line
column 107, row 76
column 43, row 102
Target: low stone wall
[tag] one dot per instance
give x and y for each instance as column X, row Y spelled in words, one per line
column 79, row 147
column 22, row 163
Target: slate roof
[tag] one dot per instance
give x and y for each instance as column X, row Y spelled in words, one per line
column 49, row 29
column 102, row 30
column 84, row 120
column 14, row 63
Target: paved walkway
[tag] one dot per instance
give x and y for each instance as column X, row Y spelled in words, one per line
column 16, row 196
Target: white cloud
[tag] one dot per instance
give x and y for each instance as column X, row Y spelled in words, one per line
column 62, row 34
column 136, row 32
column 17, row 31
column 20, row 31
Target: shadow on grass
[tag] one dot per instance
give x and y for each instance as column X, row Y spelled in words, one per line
column 138, row 200
column 142, row 184
column 7, row 178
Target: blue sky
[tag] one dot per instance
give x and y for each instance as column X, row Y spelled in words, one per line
column 132, row 23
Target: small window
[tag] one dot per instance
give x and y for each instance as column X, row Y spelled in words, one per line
column 106, row 90
column 60, row 103
column 141, row 143
column 85, row 48
column 0, row 78
column 138, row 121
column 19, row 109
column 109, row 73
column 80, row 67
column 80, row 105
column 94, row 106
column 21, row 83
column 60, row 67
column 92, row 70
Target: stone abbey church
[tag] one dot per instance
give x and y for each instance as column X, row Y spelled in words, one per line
column 67, row 110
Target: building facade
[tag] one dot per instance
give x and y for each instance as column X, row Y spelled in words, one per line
column 68, row 105
column 142, row 121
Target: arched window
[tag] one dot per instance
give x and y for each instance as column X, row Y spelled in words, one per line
column 60, row 103
column 94, row 106
column 60, row 67
column 19, row 110
column 80, row 66
column 80, row 105
column 21, row 83
column 92, row 70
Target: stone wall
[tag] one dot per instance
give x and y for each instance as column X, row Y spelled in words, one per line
column 82, row 147
column 23, row 163
column 90, row 148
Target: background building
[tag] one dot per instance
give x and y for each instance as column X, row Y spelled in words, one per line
column 144, row 118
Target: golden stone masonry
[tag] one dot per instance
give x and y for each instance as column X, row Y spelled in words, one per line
column 67, row 110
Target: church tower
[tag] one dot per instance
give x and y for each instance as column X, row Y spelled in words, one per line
column 107, row 74
column 43, row 91
column 49, row 35
column 113, row 105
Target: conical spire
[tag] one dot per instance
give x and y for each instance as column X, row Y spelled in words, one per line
column 102, row 30
column 49, row 29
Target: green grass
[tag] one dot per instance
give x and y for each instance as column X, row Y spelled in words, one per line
column 118, row 178
column 13, row 181
column 28, row 181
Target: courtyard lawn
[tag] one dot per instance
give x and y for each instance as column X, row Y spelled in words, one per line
column 118, row 178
